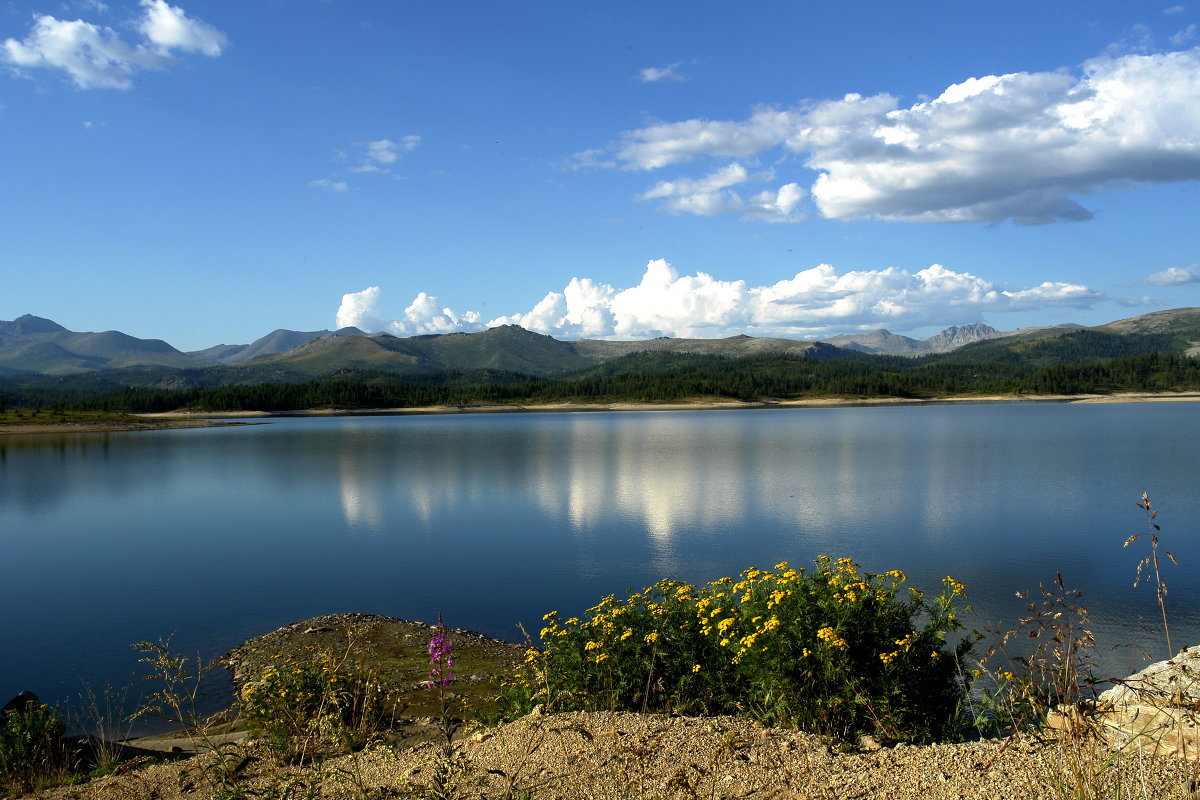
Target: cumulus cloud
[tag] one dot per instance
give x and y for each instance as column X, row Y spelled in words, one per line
column 168, row 28
column 423, row 315
column 96, row 57
column 816, row 302
column 1021, row 146
column 1173, row 276
column 659, row 74
column 358, row 310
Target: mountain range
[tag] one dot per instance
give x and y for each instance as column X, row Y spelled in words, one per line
column 33, row 345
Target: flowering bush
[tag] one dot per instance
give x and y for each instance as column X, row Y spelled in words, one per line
column 832, row 650
column 297, row 703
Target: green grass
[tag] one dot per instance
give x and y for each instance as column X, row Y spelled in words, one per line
column 45, row 416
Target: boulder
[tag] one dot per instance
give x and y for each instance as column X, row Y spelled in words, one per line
column 23, row 702
column 1157, row 710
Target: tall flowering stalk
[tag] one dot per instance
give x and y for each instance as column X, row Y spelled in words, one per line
column 441, row 658
column 441, row 674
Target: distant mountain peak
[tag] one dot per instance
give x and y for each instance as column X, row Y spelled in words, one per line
column 28, row 324
column 956, row 336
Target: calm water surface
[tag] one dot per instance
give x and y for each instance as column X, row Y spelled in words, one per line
column 225, row 533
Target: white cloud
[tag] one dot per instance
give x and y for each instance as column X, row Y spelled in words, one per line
column 1184, row 36
column 329, row 184
column 385, row 151
column 813, row 303
column 1173, row 276
column 658, row 74
column 423, row 315
column 816, row 302
column 358, row 310
column 778, row 206
column 703, row 196
column 1019, row 146
column 1174, row 10
column 170, row 28
column 678, row 142
column 96, row 57
column 712, row 195
column 376, row 157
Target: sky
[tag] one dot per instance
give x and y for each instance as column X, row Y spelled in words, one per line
column 206, row 171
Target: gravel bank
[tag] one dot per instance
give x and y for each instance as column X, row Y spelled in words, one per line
column 594, row 755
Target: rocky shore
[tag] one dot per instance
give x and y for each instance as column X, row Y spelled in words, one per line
column 602, row 755
column 606, row 755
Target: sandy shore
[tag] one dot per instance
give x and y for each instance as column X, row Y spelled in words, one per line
column 176, row 419
column 710, row 405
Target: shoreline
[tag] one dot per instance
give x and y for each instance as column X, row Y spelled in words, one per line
column 148, row 424
column 168, row 420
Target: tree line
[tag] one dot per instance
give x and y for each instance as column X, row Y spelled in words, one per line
column 640, row 377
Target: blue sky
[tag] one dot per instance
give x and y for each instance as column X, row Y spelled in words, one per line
column 205, row 171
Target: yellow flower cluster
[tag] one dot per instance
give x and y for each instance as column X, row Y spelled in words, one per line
column 762, row 615
column 902, row 646
column 831, row 637
column 956, row 587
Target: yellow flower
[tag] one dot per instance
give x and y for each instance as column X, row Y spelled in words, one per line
column 601, row 657
column 591, row 646
column 725, row 624
column 628, row 632
column 651, row 638
column 829, row 635
column 695, row 668
column 550, row 616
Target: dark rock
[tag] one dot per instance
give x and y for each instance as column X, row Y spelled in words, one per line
column 23, row 702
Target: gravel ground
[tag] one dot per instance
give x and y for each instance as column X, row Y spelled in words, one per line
column 592, row 755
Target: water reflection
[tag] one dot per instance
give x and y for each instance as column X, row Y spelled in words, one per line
column 497, row 518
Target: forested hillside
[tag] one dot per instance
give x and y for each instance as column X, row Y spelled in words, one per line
column 640, row 377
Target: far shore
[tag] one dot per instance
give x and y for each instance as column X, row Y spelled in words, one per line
column 148, row 423
column 196, row 419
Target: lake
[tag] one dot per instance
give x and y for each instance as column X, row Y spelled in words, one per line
column 220, row 534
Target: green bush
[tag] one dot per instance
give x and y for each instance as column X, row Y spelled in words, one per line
column 31, row 751
column 831, row 650
column 298, row 705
